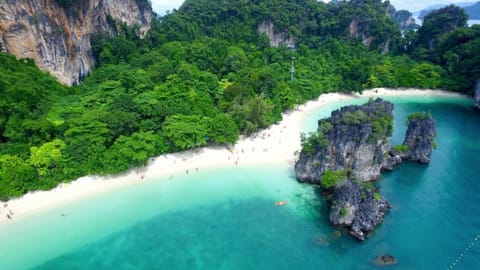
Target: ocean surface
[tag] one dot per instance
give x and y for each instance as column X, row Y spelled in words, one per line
column 472, row 22
column 469, row 22
column 226, row 218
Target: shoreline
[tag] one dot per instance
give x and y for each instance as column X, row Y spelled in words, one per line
column 278, row 144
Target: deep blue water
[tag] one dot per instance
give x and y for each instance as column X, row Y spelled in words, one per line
column 226, row 218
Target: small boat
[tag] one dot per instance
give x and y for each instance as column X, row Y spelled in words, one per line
column 280, row 203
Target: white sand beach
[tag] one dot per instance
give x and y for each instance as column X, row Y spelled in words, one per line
column 277, row 144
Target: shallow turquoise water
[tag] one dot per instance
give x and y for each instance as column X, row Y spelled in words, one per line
column 226, row 218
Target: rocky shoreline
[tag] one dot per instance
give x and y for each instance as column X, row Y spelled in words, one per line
column 349, row 150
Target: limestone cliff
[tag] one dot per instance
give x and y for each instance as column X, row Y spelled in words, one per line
column 353, row 142
column 354, row 138
column 403, row 18
column 357, row 207
column 372, row 24
column 419, row 139
column 58, row 38
column 276, row 39
column 351, row 148
column 418, row 143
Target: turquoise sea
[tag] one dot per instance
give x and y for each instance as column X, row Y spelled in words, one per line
column 226, row 218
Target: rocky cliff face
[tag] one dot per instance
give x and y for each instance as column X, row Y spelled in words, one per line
column 58, row 38
column 418, row 143
column 403, row 18
column 357, row 207
column 355, row 32
column 419, row 140
column 276, row 39
column 354, row 138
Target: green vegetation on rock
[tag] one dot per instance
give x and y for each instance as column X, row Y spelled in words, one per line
column 355, row 118
column 382, row 127
column 332, row 178
column 418, row 116
column 401, row 148
column 317, row 139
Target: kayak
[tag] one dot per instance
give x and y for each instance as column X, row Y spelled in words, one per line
column 280, row 203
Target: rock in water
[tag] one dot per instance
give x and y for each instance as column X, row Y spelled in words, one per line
column 419, row 139
column 351, row 148
column 357, row 207
column 386, row 260
column 354, row 138
column 347, row 150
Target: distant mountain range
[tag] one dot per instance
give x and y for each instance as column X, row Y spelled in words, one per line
column 471, row 8
column 473, row 11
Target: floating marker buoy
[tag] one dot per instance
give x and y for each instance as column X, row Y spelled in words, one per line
column 460, row 257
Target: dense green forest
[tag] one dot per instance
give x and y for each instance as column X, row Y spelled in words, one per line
column 204, row 75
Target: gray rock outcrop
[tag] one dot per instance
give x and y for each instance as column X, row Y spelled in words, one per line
column 403, row 18
column 418, row 143
column 419, row 140
column 357, row 207
column 350, row 149
column 58, row 38
column 385, row 260
column 277, row 39
column 354, row 138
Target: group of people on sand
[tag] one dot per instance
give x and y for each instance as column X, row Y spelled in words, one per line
column 10, row 213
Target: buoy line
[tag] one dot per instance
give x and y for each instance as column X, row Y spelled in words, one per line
column 463, row 253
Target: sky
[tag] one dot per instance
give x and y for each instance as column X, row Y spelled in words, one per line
column 160, row 6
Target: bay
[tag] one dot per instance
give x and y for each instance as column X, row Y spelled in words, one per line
column 226, row 218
